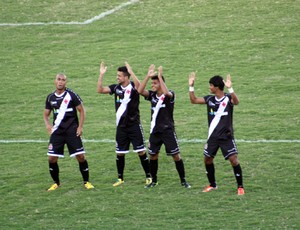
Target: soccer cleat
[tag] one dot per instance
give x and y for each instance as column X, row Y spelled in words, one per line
column 151, row 185
column 186, row 184
column 118, row 182
column 241, row 191
column 88, row 185
column 53, row 187
column 148, row 180
column 209, row 188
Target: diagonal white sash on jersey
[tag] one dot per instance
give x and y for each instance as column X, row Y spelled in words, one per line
column 218, row 116
column 122, row 108
column 156, row 110
column 62, row 111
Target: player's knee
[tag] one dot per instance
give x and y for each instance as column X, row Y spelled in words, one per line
column 208, row 160
column 52, row 159
column 176, row 157
column 80, row 157
column 234, row 160
column 154, row 156
column 142, row 153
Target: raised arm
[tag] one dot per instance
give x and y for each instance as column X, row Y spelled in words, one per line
column 193, row 98
column 141, row 89
column 163, row 85
column 100, row 87
column 228, row 84
column 133, row 76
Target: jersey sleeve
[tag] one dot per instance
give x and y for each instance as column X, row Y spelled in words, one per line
column 206, row 98
column 172, row 100
column 112, row 88
column 76, row 99
column 47, row 103
column 229, row 96
column 148, row 98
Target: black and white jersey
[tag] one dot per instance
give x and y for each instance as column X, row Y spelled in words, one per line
column 131, row 114
column 161, row 111
column 64, row 109
column 219, row 114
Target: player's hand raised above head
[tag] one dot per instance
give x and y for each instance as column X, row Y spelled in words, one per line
column 103, row 68
column 151, row 71
column 192, row 78
column 160, row 71
column 228, row 82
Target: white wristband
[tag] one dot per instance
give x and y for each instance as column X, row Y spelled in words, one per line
column 191, row 89
column 230, row 90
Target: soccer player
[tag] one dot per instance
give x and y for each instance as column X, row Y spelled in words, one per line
column 129, row 128
column 66, row 129
column 162, row 129
column 220, row 131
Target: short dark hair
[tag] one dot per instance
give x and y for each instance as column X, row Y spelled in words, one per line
column 217, row 81
column 124, row 70
column 156, row 78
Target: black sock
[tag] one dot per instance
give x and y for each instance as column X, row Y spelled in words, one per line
column 120, row 161
column 54, row 172
column 180, row 169
column 210, row 172
column 238, row 175
column 84, row 169
column 154, row 169
column 145, row 163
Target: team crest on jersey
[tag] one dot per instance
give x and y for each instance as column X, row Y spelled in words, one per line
column 50, row 147
column 66, row 101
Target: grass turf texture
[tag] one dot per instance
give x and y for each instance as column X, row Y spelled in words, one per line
column 255, row 41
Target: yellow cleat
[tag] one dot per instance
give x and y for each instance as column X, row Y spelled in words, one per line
column 53, row 187
column 88, row 185
column 118, row 182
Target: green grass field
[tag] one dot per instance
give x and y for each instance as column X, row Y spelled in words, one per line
column 257, row 42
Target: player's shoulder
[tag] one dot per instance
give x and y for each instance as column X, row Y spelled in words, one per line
column 209, row 97
column 152, row 93
column 51, row 95
column 114, row 87
column 132, row 83
column 228, row 95
column 70, row 91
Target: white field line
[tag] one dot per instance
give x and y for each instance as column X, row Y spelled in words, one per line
column 91, row 20
column 180, row 140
